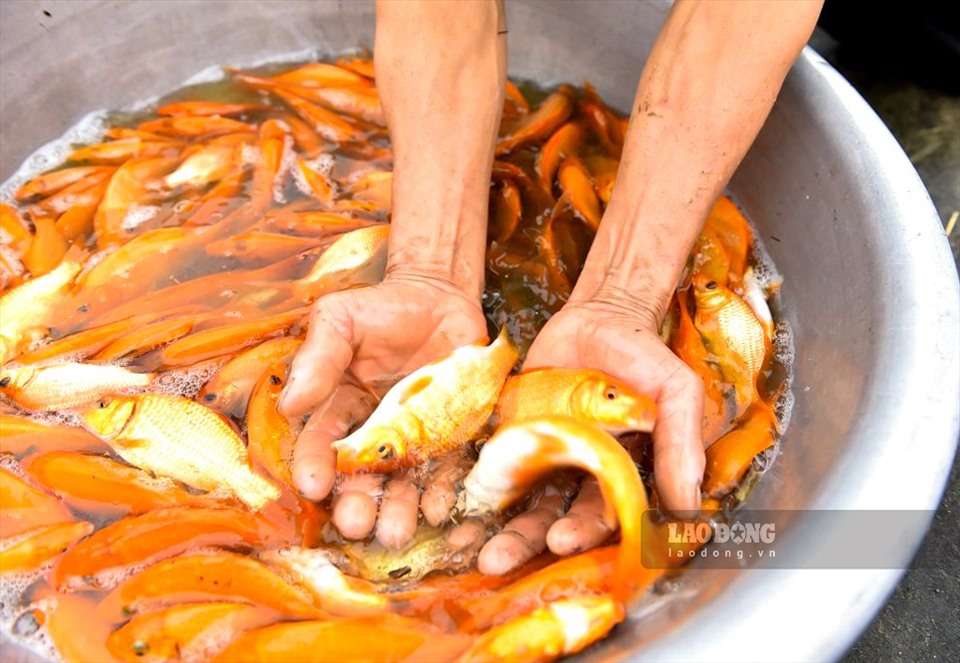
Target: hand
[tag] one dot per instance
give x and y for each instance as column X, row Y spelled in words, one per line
column 621, row 340
column 369, row 336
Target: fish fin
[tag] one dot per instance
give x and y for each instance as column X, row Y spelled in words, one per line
column 415, row 388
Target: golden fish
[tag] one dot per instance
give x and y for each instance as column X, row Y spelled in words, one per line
column 211, row 163
column 357, row 258
column 520, row 454
column 586, row 395
column 204, row 108
column 49, row 183
column 66, row 385
column 429, row 551
column 732, row 333
column 560, row 628
column 177, row 438
column 25, row 310
column 435, row 409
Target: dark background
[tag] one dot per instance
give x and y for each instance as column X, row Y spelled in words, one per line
column 905, row 61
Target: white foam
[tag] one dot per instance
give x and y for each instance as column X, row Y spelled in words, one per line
column 88, row 130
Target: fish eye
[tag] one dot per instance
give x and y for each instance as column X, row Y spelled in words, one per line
column 209, row 398
column 5, row 382
column 610, row 393
column 712, row 285
column 385, row 451
column 102, row 404
column 275, row 380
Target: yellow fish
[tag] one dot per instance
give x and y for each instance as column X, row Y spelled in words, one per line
column 177, row 438
column 560, row 628
column 25, row 309
column 586, row 395
column 67, row 385
column 435, row 409
column 357, row 258
column 732, row 334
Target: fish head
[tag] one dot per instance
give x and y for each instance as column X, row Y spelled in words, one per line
column 613, row 404
column 378, row 449
column 108, row 416
column 709, row 294
column 15, row 379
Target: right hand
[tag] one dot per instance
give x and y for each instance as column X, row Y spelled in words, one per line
column 376, row 335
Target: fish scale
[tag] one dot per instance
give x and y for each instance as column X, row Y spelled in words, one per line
column 178, row 438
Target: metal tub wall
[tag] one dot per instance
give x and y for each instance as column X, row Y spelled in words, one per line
column 870, row 291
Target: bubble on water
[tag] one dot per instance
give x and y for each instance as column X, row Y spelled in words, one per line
column 187, row 382
column 137, row 215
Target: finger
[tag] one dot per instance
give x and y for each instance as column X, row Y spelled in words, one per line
column 355, row 505
column 314, row 459
column 678, row 456
column 468, row 535
column 440, row 496
column 523, row 538
column 323, row 358
column 398, row 514
column 584, row 526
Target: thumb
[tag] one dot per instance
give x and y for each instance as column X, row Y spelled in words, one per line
column 323, row 358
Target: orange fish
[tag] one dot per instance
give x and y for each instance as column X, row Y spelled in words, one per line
column 42, row 545
column 734, row 233
column 270, row 436
column 321, row 74
column 536, row 126
column 575, row 181
column 118, row 151
column 129, row 192
column 53, row 181
column 230, row 389
column 20, row 436
column 562, row 144
column 385, row 638
column 194, row 126
column 92, row 478
column 586, row 395
column 215, row 576
column 203, row 108
column 729, row 458
column 47, row 247
column 154, row 536
column 520, row 453
column 185, row 632
column 24, row 508
column 506, row 211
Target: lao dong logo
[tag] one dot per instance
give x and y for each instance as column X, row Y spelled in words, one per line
column 738, row 533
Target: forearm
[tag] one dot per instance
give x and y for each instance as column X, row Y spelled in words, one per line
column 441, row 67
column 705, row 91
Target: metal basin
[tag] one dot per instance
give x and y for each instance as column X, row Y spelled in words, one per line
column 871, row 290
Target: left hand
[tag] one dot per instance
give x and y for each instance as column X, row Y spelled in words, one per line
column 621, row 340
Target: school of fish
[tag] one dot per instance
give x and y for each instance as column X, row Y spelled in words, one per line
column 154, row 289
